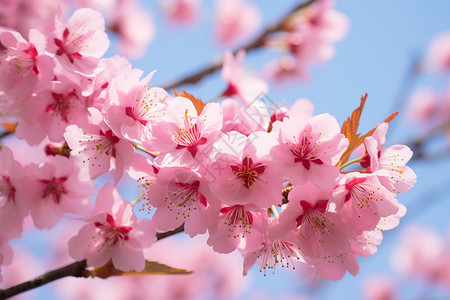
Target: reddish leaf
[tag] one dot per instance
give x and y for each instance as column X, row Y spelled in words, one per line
column 350, row 129
column 198, row 104
column 9, row 127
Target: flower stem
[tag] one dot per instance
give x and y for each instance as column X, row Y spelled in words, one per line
column 139, row 147
column 350, row 162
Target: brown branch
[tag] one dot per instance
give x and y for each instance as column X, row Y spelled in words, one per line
column 75, row 269
column 163, row 235
column 256, row 43
column 5, row 134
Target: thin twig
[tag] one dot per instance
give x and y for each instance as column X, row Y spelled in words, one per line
column 257, row 43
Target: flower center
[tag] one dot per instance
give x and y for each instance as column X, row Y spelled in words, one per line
column 190, row 136
column 20, row 62
column 247, row 172
column 305, row 151
column 62, row 104
column 110, row 233
column 238, row 220
column 183, row 198
column 7, row 191
column 54, row 189
column 69, row 46
column 283, row 252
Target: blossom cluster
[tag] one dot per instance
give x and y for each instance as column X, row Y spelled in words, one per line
column 268, row 184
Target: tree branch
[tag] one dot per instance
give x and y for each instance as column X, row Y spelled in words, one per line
column 257, row 43
column 74, row 269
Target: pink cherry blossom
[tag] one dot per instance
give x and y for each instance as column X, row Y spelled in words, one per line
column 55, row 188
column 423, row 105
column 285, row 69
column 180, row 195
column 438, row 53
column 81, row 41
column 367, row 242
column 107, row 69
column 13, row 205
column 245, row 85
column 388, row 164
column 243, row 171
column 323, row 237
column 6, row 254
column 144, row 172
column 181, row 11
column 423, row 253
column 362, row 200
column 301, row 109
column 186, row 135
column 276, row 249
column 310, row 39
column 379, row 288
column 113, row 233
column 24, row 66
column 315, row 32
column 48, row 112
column 308, row 150
column 231, row 27
column 24, row 15
column 253, row 117
column 237, row 226
column 134, row 107
column 126, row 18
column 392, row 221
column 96, row 147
